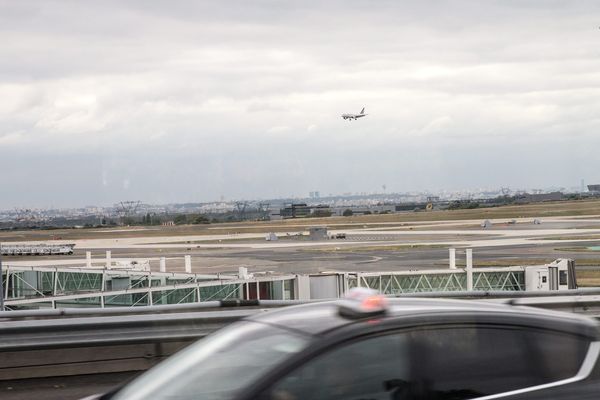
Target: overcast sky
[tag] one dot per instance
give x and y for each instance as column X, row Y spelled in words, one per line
column 176, row 101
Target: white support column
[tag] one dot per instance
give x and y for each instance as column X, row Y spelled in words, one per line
column 163, row 264
column 8, row 280
column 88, row 259
column 103, row 281
column 452, row 258
column 469, row 269
column 302, row 287
column 108, row 259
column 188, row 264
column 55, row 286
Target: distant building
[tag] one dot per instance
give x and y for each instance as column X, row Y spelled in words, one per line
column 274, row 215
column 410, row 207
column 317, row 233
column 320, row 211
column 296, row 210
column 594, row 189
column 534, row 198
column 168, row 223
column 362, row 210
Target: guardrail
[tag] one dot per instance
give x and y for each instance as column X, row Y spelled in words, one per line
column 63, row 342
column 86, row 345
column 49, row 313
column 50, row 343
column 578, row 301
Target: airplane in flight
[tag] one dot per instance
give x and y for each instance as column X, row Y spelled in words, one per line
column 354, row 116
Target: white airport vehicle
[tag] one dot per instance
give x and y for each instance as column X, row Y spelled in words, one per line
column 36, row 249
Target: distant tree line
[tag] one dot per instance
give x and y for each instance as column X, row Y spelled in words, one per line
column 320, row 213
column 154, row 219
column 463, row 205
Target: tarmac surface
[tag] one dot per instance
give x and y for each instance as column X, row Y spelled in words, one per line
column 382, row 247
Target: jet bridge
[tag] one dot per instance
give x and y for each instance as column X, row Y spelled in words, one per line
column 66, row 287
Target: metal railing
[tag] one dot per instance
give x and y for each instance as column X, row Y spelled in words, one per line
column 62, row 342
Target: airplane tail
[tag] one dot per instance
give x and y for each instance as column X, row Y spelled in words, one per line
column 362, row 111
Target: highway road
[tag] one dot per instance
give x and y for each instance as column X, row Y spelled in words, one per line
column 62, row 388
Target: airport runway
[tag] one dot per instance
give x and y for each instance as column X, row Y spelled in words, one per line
column 384, row 247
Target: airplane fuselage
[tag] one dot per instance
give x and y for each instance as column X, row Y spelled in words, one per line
column 354, row 116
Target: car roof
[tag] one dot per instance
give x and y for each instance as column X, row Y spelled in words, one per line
column 319, row 318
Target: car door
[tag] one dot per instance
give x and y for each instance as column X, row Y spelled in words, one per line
column 369, row 367
column 450, row 361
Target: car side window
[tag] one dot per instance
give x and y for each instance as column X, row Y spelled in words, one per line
column 462, row 363
column 435, row 363
column 372, row 368
column 559, row 355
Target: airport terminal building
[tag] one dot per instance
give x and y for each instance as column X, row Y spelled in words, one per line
column 594, row 189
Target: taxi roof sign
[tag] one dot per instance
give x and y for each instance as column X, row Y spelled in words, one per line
column 362, row 303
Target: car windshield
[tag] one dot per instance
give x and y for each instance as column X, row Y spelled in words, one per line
column 218, row 367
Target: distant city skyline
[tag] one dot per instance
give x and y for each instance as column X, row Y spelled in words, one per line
column 186, row 101
column 459, row 193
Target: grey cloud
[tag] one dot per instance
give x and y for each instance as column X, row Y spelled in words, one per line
column 242, row 99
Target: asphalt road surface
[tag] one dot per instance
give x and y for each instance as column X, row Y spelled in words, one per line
column 63, row 388
column 393, row 247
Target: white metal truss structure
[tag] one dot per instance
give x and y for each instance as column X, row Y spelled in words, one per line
column 175, row 294
column 484, row 279
column 42, row 287
column 100, row 287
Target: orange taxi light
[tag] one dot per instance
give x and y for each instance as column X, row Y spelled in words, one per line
column 362, row 303
column 374, row 303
